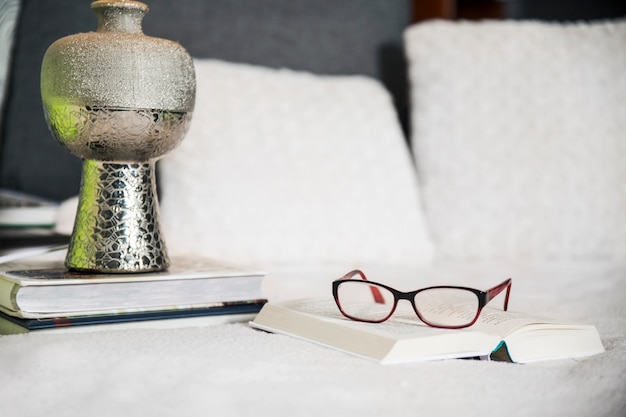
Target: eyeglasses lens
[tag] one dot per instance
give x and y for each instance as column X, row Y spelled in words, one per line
column 361, row 300
column 447, row 306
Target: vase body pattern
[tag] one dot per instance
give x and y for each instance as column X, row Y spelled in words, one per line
column 119, row 100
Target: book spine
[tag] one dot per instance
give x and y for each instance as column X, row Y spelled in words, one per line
column 8, row 295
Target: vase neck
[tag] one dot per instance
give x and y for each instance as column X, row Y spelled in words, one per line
column 119, row 16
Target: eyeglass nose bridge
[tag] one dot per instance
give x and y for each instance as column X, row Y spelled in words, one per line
column 408, row 296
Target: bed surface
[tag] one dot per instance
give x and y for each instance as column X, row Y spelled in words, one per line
column 232, row 369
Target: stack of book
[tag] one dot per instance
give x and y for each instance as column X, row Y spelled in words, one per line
column 38, row 293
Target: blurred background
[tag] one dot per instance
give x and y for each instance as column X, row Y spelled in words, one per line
column 558, row 10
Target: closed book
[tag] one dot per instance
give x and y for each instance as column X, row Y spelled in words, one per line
column 41, row 286
column 497, row 335
column 219, row 313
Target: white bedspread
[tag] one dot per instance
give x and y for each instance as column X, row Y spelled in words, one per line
column 233, row 370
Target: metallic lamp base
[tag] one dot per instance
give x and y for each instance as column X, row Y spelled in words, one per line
column 117, row 223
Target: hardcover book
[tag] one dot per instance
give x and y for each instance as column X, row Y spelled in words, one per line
column 497, row 335
column 219, row 313
column 41, row 287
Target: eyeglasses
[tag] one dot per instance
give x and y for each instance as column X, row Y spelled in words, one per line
column 446, row 307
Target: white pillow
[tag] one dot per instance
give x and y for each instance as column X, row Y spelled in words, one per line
column 284, row 167
column 519, row 133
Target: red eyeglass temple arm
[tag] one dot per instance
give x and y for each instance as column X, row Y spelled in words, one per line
column 492, row 292
column 378, row 297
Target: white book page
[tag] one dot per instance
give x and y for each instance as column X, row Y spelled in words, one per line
column 403, row 324
column 503, row 323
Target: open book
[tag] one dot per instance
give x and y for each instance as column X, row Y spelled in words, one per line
column 497, row 335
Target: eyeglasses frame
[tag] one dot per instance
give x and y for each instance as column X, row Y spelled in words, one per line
column 484, row 297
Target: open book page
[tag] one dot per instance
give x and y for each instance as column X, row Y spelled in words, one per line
column 527, row 337
column 530, row 338
column 502, row 323
column 403, row 338
column 403, row 324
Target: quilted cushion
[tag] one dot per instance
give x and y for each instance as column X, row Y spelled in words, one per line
column 519, row 137
column 282, row 166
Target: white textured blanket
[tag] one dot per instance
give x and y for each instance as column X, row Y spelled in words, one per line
column 233, row 370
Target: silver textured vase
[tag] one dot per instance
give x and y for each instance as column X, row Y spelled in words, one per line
column 120, row 100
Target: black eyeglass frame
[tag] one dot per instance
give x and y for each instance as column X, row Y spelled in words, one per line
column 484, row 297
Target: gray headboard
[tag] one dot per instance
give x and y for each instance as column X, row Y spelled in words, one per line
column 320, row 36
